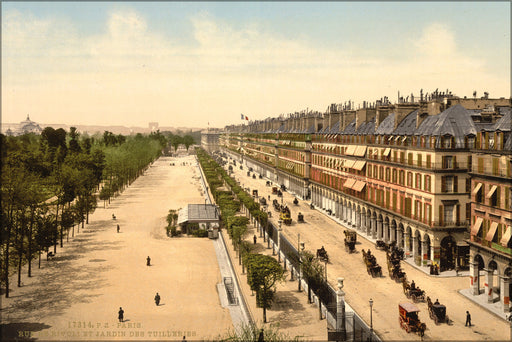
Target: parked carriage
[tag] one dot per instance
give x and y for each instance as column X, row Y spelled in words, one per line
column 372, row 267
column 413, row 292
column 437, row 312
column 263, row 201
column 350, row 240
column 409, row 320
column 379, row 244
column 321, row 254
column 274, row 190
column 276, row 205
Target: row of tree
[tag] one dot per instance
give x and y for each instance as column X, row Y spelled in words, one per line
column 263, row 272
column 49, row 184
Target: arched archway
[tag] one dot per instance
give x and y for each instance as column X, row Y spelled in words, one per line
column 447, row 257
column 408, row 243
column 387, row 230
column 426, row 249
column 492, row 282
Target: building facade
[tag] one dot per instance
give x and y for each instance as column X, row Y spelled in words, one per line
column 394, row 172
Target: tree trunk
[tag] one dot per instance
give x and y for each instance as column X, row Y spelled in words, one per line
column 264, row 314
column 39, row 257
column 6, row 258
column 29, row 254
column 20, row 251
column 56, row 227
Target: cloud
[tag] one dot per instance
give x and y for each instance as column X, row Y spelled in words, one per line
column 133, row 73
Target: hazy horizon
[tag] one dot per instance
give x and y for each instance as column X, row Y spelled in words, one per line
column 189, row 64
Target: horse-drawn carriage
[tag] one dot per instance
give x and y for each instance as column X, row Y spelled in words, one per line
column 412, row 291
column 255, row 192
column 283, row 187
column 437, row 312
column 409, row 320
column 268, row 183
column 350, row 240
column 295, row 201
column 372, row 267
column 263, row 201
column 275, row 189
column 395, row 271
column 276, row 205
column 321, row 254
column 285, row 215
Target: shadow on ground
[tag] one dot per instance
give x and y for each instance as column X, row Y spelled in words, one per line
column 20, row 331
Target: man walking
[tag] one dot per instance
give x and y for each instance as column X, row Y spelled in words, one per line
column 468, row 319
column 120, row 314
column 148, row 261
column 118, row 228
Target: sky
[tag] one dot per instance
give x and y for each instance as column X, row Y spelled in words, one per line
column 190, row 64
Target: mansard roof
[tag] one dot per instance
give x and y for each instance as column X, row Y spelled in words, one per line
column 408, row 125
column 367, row 127
column 505, row 122
column 455, row 121
column 387, row 125
column 351, row 128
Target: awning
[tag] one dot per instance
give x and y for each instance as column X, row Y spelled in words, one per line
column 476, row 189
column 359, row 186
column 349, row 163
column 489, row 194
column 476, row 227
column 506, row 237
column 359, row 164
column 349, row 183
column 360, row 151
column 350, row 150
column 492, row 231
column 386, row 152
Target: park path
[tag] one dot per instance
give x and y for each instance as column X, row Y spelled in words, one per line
column 77, row 295
column 320, row 230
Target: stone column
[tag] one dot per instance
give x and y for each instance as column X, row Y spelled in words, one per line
column 374, row 227
column 393, row 234
column 473, row 278
column 358, row 219
column 505, row 293
column 368, row 223
column 489, row 284
column 386, row 232
column 424, row 254
column 399, row 237
column 338, row 209
column 415, row 243
column 379, row 228
column 407, row 244
column 340, row 309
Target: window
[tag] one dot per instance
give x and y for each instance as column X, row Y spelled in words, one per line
column 369, row 171
column 447, row 162
column 402, row 177
column 427, row 183
column 480, row 165
column 409, row 158
column 419, row 159
column 402, row 157
column 495, row 166
column 409, row 179
column 448, row 184
column 381, row 173
column 418, row 181
column 395, row 156
column 388, row 174
column 394, row 176
column 428, row 161
column 448, row 214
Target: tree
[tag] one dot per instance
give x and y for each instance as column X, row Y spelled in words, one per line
column 188, row 141
column 263, row 274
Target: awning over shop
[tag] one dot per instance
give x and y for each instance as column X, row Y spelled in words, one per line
column 386, row 152
column 359, row 164
column 349, row 163
column 359, row 186
column 360, row 151
column 492, row 231
column 489, row 194
column 349, row 183
column 476, row 227
column 350, row 150
column 506, row 237
column 477, row 188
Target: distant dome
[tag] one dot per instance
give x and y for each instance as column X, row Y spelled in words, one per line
column 29, row 126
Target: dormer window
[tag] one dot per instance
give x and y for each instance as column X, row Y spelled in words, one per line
column 471, row 141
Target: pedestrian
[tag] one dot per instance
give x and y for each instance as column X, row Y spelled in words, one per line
column 184, row 339
column 260, row 337
column 118, row 228
column 468, row 319
column 254, row 238
column 157, row 299
column 148, row 261
column 120, row 314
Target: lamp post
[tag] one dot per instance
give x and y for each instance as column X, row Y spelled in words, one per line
column 300, row 263
column 371, row 319
column 279, row 241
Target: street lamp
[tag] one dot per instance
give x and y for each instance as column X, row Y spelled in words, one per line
column 371, row 319
column 300, row 262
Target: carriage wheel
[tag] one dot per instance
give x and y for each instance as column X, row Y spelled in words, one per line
column 436, row 320
column 414, row 299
